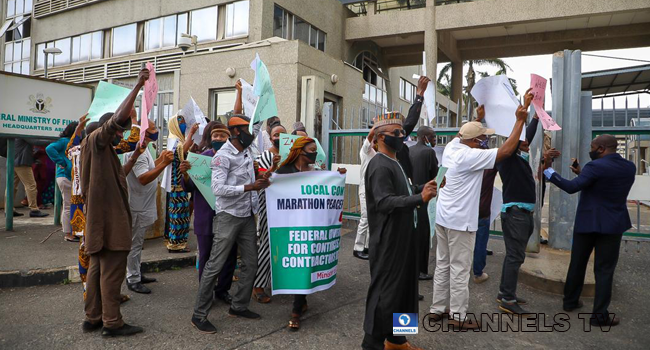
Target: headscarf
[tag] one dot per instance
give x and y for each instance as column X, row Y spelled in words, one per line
column 175, row 132
column 296, row 149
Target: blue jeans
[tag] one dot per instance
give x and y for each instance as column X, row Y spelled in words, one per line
column 480, row 247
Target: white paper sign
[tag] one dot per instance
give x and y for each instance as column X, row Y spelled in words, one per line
column 500, row 102
column 166, row 182
column 249, row 99
column 497, row 203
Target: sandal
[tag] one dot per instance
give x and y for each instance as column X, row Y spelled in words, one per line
column 184, row 250
column 294, row 322
column 124, row 298
column 261, row 297
column 71, row 238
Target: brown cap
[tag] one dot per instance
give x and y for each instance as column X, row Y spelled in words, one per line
column 474, row 129
column 220, row 128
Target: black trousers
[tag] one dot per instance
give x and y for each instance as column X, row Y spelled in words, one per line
column 299, row 300
column 423, row 232
column 607, row 248
column 518, row 225
column 371, row 342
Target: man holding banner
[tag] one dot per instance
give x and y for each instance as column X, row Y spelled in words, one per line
column 393, row 245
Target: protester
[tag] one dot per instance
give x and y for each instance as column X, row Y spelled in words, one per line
column 142, row 202
column 457, row 213
column 23, row 161
column 215, row 134
column 299, row 130
column 425, row 168
column 56, row 152
column 235, row 187
column 265, row 142
column 177, row 223
column 601, row 219
column 483, row 232
column 108, row 219
column 45, row 176
column 268, row 162
column 301, row 158
column 393, row 249
column 362, row 240
column 517, row 221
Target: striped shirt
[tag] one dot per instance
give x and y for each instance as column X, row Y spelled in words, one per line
column 231, row 171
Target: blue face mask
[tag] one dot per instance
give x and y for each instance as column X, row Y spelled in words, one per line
column 153, row 137
column 484, row 144
column 183, row 128
column 216, row 145
column 525, row 156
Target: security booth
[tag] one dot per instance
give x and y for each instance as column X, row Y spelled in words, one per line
column 36, row 109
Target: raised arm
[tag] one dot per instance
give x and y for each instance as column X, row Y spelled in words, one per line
column 531, row 129
column 166, row 157
column 238, row 108
column 123, row 112
column 510, row 146
column 416, row 108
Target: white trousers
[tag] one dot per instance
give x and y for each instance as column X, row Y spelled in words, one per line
column 361, row 241
column 66, row 193
column 453, row 265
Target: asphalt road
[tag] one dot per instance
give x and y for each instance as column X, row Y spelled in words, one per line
column 49, row 317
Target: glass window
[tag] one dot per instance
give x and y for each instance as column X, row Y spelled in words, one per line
column 96, row 45
column 401, row 88
column 124, row 40
column 40, row 59
column 25, row 67
column 64, row 57
column 76, row 46
column 85, row 45
column 20, row 6
column 182, row 26
column 313, row 37
column 169, row 31
column 152, row 39
column 28, row 6
column 223, row 102
column 301, row 30
column 18, row 51
column 278, row 21
column 321, row 40
column 204, row 24
column 27, row 43
column 9, row 51
column 237, row 18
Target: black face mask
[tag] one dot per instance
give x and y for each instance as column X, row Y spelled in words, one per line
column 311, row 157
column 393, row 142
column 245, row 139
column 276, row 144
column 594, row 155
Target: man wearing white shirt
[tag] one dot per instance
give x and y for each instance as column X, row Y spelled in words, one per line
column 457, row 213
column 366, row 154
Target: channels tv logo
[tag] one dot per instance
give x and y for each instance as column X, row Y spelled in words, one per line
column 405, row 324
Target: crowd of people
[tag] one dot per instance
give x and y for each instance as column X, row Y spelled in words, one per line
column 393, row 234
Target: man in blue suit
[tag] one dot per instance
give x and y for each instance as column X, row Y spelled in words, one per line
column 601, row 220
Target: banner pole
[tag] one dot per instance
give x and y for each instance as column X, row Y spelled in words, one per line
column 9, row 188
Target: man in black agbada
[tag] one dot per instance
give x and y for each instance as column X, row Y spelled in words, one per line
column 393, row 246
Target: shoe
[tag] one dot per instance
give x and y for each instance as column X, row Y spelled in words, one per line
column 425, row 277
column 406, row 346
column 145, row 280
column 124, row 298
column 520, row 301
column 569, row 309
column 543, row 241
column 204, row 326
column 138, row 288
column 245, row 314
column 125, row 330
column 513, row 308
column 489, row 252
column 420, row 297
column 16, row 214
column 360, row 255
column 611, row 322
column 438, row 317
column 467, row 324
column 225, row 297
column 482, row 278
column 88, row 327
column 37, row 214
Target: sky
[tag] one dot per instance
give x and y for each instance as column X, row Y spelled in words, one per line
column 542, row 65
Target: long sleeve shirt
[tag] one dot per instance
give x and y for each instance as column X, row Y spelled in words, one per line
column 231, row 171
column 57, row 152
column 366, row 154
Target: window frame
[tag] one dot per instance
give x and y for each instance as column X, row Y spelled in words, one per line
column 9, row 59
column 27, row 10
column 190, row 20
column 227, row 18
column 112, row 43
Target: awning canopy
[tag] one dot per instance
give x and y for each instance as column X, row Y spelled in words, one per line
column 617, row 82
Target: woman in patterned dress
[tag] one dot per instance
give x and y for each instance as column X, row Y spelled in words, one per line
column 177, row 223
column 267, row 161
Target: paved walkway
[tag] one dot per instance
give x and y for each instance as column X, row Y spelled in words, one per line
column 49, row 317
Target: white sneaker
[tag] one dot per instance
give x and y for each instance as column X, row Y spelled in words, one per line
column 482, row 278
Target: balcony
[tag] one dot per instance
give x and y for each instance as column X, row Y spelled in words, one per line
column 44, row 8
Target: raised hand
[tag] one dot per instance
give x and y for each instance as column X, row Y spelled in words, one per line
column 422, row 85
column 480, row 113
column 167, row 156
column 528, row 98
column 143, row 76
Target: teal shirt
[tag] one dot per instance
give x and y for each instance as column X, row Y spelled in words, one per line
column 56, row 152
column 526, row 206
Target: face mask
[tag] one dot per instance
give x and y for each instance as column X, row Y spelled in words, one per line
column 594, row 155
column 484, row 144
column 525, row 156
column 276, row 144
column 153, row 137
column 116, row 140
column 216, row 145
column 311, row 157
column 183, row 128
column 393, row 142
column 245, row 139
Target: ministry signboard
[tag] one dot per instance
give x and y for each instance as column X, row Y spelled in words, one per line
column 35, row 107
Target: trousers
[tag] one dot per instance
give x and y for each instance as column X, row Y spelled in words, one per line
column 518, row 225
column 66, row 192
column 362, row 240
column 103, row 286
column 25, row 174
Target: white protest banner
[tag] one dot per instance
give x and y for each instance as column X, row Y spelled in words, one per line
column 500, row 102
column 166, row 181
column 249, row 99
column 305, row 213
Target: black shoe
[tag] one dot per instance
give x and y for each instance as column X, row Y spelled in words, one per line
column 16, row 214
column 225, row 297
column 91, row 327
column 138, row 288
column 365, row 251
column 425, row 277
column 420, row 297
column 204, row 326
column 145, row 280
column 489, row 252
column 245, row 314
column 543, row 241
column 513, row 308
column 125, row 330
column 360, row 255
column 569, row 308
column 520, row 301
column 610, row 322
column 37, row 214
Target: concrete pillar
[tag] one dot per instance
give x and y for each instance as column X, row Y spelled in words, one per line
column 431, row 40
column 457, row 87
column 567, row 102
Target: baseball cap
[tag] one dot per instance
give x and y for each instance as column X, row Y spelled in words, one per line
column 474, row 129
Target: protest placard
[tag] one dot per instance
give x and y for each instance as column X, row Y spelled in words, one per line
column 538, row 85
column 148, row 99
column 286, row 141
column 500, row 102
column 305, row 213
column 431, row 208
column 201, row 175
column 108, row 98
column 249, row 99
column 266, row 106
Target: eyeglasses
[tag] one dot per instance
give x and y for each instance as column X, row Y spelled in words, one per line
column 396, row 133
